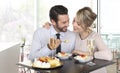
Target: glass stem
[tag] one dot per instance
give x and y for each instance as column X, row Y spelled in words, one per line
column 52, row 53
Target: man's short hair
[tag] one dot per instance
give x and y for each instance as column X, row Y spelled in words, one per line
column 57, row 10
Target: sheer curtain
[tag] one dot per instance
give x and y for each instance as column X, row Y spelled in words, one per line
column 16, row 20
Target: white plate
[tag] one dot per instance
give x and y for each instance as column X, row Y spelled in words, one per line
column 64, row 57
column 81, row 60
column 61, row 64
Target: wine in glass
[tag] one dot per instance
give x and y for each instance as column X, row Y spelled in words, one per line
column 90, row 46
column 52, row 44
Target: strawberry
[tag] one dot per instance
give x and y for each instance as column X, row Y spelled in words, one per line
column 82, row 55
column 63, row 53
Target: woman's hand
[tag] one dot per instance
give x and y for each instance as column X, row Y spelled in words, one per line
column 80, row 52
column 47, row 25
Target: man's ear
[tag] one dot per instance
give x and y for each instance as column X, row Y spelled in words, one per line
column 53, row 22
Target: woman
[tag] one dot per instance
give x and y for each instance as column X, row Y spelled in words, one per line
column 82, row 26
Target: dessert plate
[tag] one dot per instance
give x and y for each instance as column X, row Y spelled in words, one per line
column 82, row 59
column 63, row 55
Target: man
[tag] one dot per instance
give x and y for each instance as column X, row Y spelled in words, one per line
column 60, row 21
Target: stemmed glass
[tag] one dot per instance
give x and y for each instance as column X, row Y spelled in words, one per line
column 52, row 44
column 90, row 46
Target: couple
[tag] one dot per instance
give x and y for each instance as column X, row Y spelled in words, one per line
column 76, row 42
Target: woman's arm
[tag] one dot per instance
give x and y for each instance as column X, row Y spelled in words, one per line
column 80, row 52
column 103, row 51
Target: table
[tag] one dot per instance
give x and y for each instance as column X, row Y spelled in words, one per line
column 73, row 66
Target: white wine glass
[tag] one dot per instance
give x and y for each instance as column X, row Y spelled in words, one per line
column 90, row 46
column 52, row 44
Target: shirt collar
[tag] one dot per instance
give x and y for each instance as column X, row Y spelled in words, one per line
column 54, row 32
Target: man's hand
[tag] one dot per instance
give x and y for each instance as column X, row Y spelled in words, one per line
column 57, row 43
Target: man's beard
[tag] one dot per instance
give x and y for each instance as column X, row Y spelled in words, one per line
column 63, row 29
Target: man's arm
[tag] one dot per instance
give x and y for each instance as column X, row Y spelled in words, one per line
column 37, row 49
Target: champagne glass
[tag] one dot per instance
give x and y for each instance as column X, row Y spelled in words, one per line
column 90, row 46
column 52, row 44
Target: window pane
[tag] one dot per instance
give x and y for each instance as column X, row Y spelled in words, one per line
column 109, row 22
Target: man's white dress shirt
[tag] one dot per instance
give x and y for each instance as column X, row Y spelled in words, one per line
column 41, row 39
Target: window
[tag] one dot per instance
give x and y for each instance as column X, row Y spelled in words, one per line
column 109, row 21
column 16, row 20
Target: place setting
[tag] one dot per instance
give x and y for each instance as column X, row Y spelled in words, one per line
column 84, row 58
column 55, row 60
column 49, row 62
